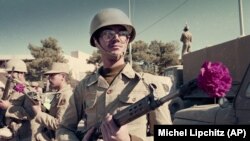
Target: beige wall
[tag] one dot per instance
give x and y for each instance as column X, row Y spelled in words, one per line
column 78, row 65
column 234, row 54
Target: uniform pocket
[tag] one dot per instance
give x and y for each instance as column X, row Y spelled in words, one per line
column 133, row 97
column 128, row 100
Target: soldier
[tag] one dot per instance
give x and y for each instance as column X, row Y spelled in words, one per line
column 36, row 87
column 102, row 94
column 186, row 38
column 58, row 80
column 17, row 120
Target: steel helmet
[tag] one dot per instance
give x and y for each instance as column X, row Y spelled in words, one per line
column 110, row 16
column 59, row 68
column 19, row 65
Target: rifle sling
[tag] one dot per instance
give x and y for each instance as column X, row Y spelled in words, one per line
column 131, row 85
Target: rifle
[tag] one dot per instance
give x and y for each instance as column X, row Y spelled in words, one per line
column 33, row 96
column 5, row 95
column 7, row 85
column 140, row 108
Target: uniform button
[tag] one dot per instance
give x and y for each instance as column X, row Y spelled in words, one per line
column 109, row 91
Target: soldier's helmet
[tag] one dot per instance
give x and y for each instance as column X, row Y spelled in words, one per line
column 58, row 68
column 18, row 65
column 107, row 17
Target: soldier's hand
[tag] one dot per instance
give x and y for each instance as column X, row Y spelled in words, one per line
column 4, row 104
column 111, row 132
column 37, row 108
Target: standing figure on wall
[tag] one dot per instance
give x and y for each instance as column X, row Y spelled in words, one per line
column 186, row 38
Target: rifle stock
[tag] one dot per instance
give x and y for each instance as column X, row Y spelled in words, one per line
column 5, row 95
column 140, row 108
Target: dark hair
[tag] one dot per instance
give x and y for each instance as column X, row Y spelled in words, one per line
column 185, row 29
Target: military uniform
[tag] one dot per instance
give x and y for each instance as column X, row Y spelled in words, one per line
column 17, row 117
column 94, row 98
column 58, row 106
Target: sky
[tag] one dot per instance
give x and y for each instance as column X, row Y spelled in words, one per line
column 24, row 22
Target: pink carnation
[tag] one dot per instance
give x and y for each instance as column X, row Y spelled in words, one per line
column 19, row 88
column 214, row 79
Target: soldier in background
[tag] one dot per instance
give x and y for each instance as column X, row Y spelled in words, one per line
column 57, row 77
column 36, row 87
column 186, row 38
column 17, row 106
column 102, row 94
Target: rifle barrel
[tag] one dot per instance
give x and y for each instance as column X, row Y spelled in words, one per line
column 7, row 85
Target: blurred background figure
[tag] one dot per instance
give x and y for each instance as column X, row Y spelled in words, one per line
column 186, row 39
column 35, row 85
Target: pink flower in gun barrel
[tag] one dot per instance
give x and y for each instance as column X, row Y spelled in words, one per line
column 19, row 88
column 215, row 79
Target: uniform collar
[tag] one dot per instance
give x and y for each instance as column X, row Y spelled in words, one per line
column 92, row 80
column 127, row 71
column 66, row 87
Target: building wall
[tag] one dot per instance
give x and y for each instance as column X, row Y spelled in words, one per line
column 77, row 62
column 234, row 54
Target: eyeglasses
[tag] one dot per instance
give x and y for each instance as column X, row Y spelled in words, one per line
column 108, row 35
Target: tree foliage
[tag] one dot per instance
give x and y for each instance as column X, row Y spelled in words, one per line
column 95, row 58
column 156, row 56
column 44, row 56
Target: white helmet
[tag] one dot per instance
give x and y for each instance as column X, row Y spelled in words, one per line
column 19, row 65
column 110, row 16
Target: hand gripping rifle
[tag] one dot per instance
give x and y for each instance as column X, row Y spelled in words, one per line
column 5, row 95
column 33, row 96
column 140, row 108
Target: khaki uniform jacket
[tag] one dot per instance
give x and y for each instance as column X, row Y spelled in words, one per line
column 18, row 119
column 94, row 98
column 58, row 106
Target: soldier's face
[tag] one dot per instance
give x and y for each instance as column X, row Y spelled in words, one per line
column 17, row 75
column 114, row 39
column 56, row 79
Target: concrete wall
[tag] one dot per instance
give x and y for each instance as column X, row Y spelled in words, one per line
column 78, row 66
column 235, row 54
